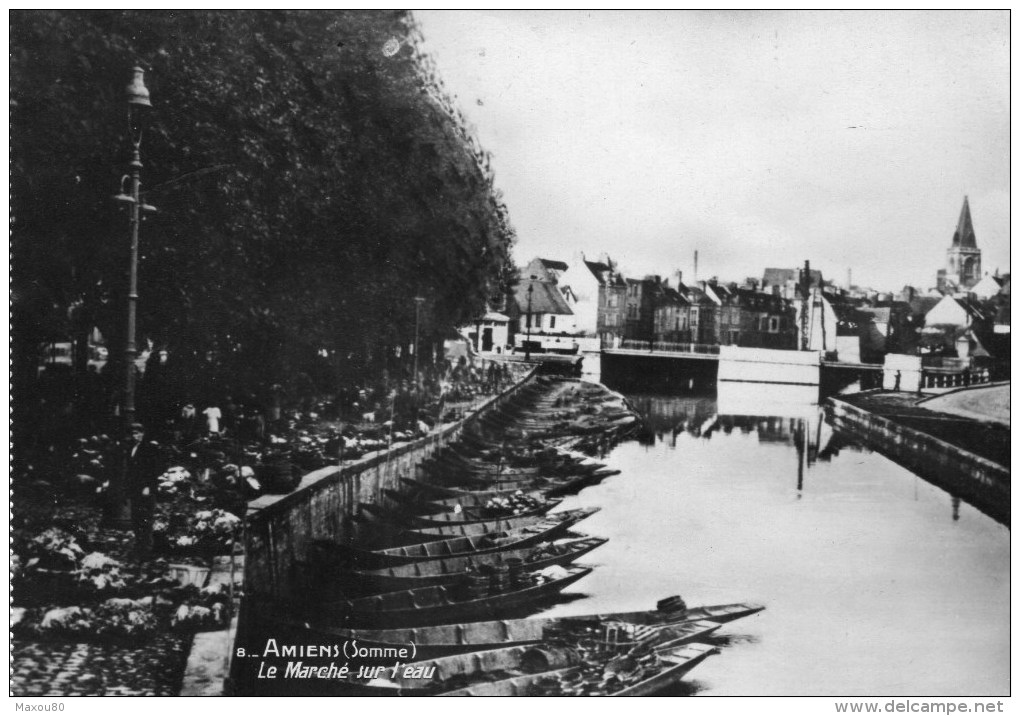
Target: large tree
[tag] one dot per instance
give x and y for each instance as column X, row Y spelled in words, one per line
column 311, row 176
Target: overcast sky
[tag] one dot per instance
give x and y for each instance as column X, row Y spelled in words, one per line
column 757, row 138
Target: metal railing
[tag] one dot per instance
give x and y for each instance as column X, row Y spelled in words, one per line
column 667, row 347
column 950, row 378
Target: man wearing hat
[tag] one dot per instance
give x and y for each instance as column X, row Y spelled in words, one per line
column 144, row 466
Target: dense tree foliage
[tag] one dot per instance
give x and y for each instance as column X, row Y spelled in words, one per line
column 311, row 176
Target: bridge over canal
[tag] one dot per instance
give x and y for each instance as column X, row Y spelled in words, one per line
column 693, row 365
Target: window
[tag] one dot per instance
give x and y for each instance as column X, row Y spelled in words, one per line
column 773, row 324
column 552, row 322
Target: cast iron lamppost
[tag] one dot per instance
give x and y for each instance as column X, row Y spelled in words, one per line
column 527, row 344
column 418, row 300
column 138, row 103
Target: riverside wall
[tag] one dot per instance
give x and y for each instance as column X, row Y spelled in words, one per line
column 981, row 482
column 279, row 528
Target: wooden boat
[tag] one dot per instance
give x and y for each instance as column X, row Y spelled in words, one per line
column 575, row 485
column 484, row 467
column 456, row 454
column 629, row 677
column 444, row 503
column 447, row 673
column 439, row 605
column 447, row 476
column 432, row 642
column 485, row 470
column 331, row 555
column 481, row 481
column 513, row 456
column 429, row 532
column 509, row 455
column 472, row 508
column 432, row 491
column 562, row 463
column 551, row 487
column 475, row 515
column 433, row 676
column 722, row 614
column 480, row 441
column 454, row 570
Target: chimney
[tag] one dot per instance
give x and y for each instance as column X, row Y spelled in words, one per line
column 695, row 265
column 805, row 282
column 805, row 278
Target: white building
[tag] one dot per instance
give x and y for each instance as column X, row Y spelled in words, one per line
column 952, row 311
column 580, row 285
column 821, row 321
column 986, row 288
column 489, row 334
column 540, row 309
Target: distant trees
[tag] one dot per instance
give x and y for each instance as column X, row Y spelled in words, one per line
column 311, row 176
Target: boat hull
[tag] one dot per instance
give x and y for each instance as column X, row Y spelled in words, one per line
column 433, row 642
column 365, row 612
column 556, row 523
column 679, row 662
column 451, row 571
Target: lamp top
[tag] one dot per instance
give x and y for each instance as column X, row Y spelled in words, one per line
column 137, row 93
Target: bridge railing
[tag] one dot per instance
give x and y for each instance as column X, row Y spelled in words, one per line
column 950, row 378
column 669, row 347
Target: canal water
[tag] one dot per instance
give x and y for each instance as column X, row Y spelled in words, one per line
column 875, row 582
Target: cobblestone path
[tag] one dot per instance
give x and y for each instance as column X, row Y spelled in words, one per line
column 54, row 668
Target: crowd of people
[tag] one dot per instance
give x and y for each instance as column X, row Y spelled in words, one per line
column 230, row 450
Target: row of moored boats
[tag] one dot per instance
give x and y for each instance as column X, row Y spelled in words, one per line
column 455, row 561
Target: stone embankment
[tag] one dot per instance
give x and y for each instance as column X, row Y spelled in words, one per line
column 541, row 420
column 966, row 455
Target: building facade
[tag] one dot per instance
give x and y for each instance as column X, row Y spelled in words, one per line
column 539, row 313
column 671, row 317
column 612, row 308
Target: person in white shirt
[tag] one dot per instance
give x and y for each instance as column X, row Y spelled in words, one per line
column 212, row 415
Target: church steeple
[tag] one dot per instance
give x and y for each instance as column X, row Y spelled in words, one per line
column 964, row 235
column 963, row 259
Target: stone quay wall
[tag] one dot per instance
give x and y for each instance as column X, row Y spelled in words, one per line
column 279, row 528
column 982, row 482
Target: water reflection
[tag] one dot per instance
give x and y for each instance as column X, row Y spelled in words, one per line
column 875, row 581
column 806, row 431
